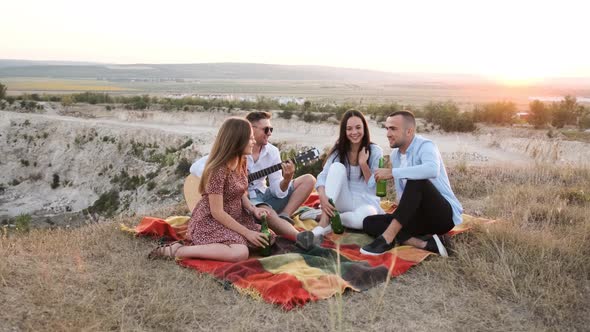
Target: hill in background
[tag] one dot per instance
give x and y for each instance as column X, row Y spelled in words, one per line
column 208, row 71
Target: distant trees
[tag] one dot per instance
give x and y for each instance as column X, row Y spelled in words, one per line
column 500, row 112
column 539, row 114
column 67, row 101
column 585, row 120
column 92, row 98
column 447, row 116
column 559, row 114
column 565, row 112
column 380, row 112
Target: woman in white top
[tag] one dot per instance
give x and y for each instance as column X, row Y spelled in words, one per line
column 347, row 177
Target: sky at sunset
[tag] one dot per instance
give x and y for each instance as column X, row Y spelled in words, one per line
column 508, row 41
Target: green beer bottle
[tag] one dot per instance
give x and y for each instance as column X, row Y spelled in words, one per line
column 382, row 184
column 335, row 220
column 265, row 251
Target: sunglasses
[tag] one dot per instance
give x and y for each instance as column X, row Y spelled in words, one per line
column 267, row 130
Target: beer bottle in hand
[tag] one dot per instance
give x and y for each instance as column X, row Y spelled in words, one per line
column 381, row 184
column 336, row 221
column 265, row 250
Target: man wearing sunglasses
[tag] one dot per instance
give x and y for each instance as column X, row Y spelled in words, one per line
column 283, row 194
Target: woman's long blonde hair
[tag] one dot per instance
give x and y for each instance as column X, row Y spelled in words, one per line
column 230, row 143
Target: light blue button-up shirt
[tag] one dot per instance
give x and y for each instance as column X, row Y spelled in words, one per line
column 425, row 162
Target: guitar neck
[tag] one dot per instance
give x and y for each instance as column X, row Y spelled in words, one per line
column 307, row 156
column 263, row 172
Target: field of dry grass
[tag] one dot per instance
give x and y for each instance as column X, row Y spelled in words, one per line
column 61, row 85
column 409, row 93
column 529, row 272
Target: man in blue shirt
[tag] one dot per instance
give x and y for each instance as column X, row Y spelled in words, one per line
column 427, row 205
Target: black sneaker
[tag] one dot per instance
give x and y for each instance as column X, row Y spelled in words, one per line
column 378, row 247
column 436, row 245
column 305, row 240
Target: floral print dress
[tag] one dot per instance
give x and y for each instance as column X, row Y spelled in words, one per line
column 203, row 228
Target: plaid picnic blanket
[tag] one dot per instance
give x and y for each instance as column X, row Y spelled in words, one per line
column 292, row 277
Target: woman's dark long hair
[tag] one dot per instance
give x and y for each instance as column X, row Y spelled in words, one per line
column 343, row 145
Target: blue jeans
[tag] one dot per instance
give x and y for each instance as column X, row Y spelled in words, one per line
column 267, row 198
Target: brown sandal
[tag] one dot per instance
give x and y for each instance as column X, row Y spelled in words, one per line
column 165, row 251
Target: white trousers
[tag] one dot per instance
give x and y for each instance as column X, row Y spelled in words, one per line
column 352, row 211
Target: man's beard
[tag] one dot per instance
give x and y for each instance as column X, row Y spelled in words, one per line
column 395, row 145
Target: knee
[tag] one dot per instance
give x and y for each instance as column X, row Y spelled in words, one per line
column 337, row 167
column 240, row 253
column 337, row 171
column 269, row 210
column 374, row 225
column 307, row 180
column 310, row 180
column 272, row 215
column 365, row 211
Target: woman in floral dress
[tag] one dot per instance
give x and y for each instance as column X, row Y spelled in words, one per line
column 222, row 225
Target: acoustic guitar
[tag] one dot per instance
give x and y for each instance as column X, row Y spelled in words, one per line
column 191, row 183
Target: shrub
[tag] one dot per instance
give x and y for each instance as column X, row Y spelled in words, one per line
column 151, row 185
column 23, row 223
column 2, row 91
column 584, row 121
column 312, row 117
column 163, row 191
column 24, row 162
column 447, row 116
column 185, row 144
column 127, row 182
column 566, row 112
column 183, row 168
column 501, row 112
column 55, row 182
column 380, row 112
column 287, row 114
column 107, row 204
column 91, row 98
column 540, row 115
column 576, row 197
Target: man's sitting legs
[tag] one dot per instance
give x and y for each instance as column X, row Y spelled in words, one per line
column 298, row 193
column 422, row 211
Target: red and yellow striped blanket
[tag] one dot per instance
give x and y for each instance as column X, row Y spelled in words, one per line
column 292, row 277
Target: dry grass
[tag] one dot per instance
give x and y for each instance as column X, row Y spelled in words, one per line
column 576, row 135
column 529, row 272
column 61, row 85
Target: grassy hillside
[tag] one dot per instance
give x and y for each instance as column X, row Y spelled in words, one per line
column 528, row 272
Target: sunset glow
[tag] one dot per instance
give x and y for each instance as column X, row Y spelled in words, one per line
column 506, row 41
